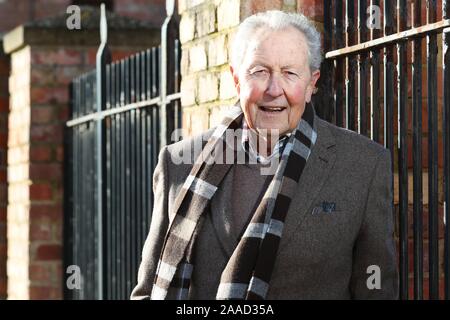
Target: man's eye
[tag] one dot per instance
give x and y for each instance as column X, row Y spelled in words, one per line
column 259, row 71
column 290, row 73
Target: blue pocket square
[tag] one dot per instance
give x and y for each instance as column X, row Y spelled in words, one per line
column 328, row 206
column 325, row 207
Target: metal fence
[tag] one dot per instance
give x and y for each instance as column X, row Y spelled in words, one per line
column 121, row 114
column 377, row 80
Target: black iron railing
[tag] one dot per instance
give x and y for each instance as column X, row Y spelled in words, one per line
column 120, row 117
column 353, row 56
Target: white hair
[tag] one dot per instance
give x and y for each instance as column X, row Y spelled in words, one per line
column 277, row 20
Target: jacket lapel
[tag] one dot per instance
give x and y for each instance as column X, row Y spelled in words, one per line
column 317, row 169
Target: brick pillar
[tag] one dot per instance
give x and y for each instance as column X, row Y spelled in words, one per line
column 41, row 71
column 207, row 28
column 4, row 72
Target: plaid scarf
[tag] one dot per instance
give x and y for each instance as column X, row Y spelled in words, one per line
column 248, row 271
column 250, row 149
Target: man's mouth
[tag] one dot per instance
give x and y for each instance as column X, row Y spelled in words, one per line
column 271, row 109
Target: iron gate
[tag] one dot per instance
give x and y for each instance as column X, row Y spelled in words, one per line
column 364, row 66
column 121, row 114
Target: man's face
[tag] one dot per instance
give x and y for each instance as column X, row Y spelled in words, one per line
column 274, row 81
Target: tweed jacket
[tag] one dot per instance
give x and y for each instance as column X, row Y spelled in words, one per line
column 338, row 230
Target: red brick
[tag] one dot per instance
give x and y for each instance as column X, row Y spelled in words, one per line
column 149, row 11
column 2, row 157
column 61, row 56
column 49, row 252
column 254, row 6
column 47, row 133
column 425, row 152
column 43, row 75
column 48, row 172
column 60, row 154
column 425, row 229
column 51, row 211
column 45, row 293
column 2, row 233
column 40, row 230
column 90, row 57
column 425, row 286
column 3, row 250
column 119, row 55
column 2, row 175
column 2, row 214
column 3, row 139
column 4, row 67
column 40, row 272
column 63, row 114
column 425, row 81
column 313, row 9
column 3, row 193
column 46, row 95
column 40, row 153
column 58, row 231
column 42, row 115
column 40, row 191
column 65, row 75
column 115, row 55
column 21, row 11
column 2, row 269
column 3, row 122
column 4, row 104
column 3, row 289
column 50, row 8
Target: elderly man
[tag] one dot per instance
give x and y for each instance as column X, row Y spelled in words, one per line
column 318, row 225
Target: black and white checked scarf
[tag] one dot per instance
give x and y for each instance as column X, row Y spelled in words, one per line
column 250, row 149
column 249, row 269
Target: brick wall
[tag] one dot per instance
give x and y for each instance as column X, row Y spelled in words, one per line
column 40, row 73
column 4, row 72
column 207, row 28
column 153, row 11
column 30, row 10
column 27, row 10
column 39, row 109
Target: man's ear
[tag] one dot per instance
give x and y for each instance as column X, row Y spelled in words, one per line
column 235, row 79
column 312, row 85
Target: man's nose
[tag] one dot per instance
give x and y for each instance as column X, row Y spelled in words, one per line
column 275, row 88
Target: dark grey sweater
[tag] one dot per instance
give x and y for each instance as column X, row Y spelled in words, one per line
column 249, row 186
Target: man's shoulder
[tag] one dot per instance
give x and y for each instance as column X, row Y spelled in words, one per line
column 180, row 156
column 352, row 143
column 189, row 143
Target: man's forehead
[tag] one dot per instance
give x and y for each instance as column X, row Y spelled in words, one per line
column 264, row 39
column 261, row 48
column 265, row 34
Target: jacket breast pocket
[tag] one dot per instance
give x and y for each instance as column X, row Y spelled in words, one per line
column 327, row 233
column 326, row 207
